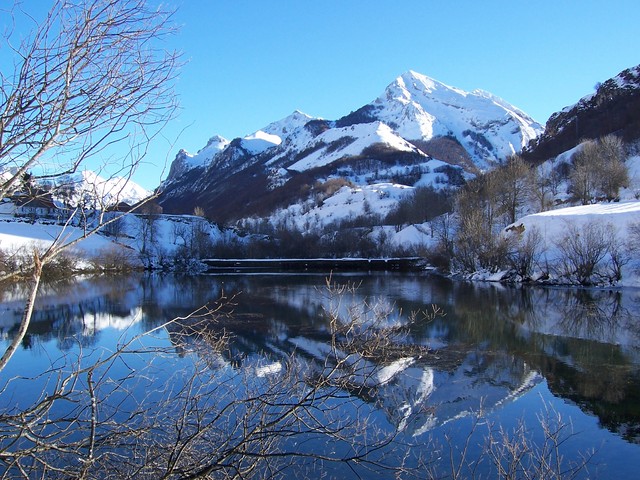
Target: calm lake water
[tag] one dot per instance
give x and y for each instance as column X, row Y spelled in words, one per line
column 512, row 353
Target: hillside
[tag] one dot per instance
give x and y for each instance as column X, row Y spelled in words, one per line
column 134, row 241
column 613, row 108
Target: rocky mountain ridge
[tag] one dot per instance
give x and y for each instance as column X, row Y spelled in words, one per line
column 613, row 108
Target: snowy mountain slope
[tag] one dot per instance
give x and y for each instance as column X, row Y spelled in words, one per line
column 346, row 204
column 421, row 108
column 18, row 237
column 415, row 120
column 350, row 142
column 259, row 141
column 283, row 128
column 253, row 144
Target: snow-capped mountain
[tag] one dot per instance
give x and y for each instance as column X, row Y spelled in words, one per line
column 90, row 188
column 288, row 125
column 420, row 108
column 416, row 121
column 184, row 161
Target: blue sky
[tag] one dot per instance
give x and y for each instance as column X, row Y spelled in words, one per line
column 251, row 62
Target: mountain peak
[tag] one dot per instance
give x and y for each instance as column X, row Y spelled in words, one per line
column 101, row 191
column 413, row 76
column 215, row 143
column 415, row 82
column 421, row 109
column 285, row 126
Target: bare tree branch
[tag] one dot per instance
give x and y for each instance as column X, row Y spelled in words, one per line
column 92, row 77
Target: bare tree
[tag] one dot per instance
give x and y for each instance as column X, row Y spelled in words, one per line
column 179, row 230
column 90, row 79
column 526, row 252
column 148, row 228
column 583, row 176
column 599, row 170
column 200, row 238
column 615, row 174
column 478, row 243
column 512, row 187
column 89, row 75
column 116, row 228
column 514, row 454
column 541, row 187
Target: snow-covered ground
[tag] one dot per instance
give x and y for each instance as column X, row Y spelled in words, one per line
column 18, row 235
column 348, row 203
column 170, row 232
column 615, row 220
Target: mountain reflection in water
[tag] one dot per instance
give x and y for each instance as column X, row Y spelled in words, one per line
column 493, row 345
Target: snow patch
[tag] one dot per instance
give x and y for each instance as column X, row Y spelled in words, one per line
column 260, row 141
column 91, row 188
column 363, row 135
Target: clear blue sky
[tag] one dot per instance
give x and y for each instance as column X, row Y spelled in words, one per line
column 251, row 62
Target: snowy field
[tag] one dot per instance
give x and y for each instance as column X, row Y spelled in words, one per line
column 16, row 235
column 170, row 232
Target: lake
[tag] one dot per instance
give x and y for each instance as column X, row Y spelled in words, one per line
column 494, row 359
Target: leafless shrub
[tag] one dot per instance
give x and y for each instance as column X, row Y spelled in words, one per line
column 17, row 262
column 583, row 250
column 370, row 329
column 619, row 255
column 477, row 246
column 633, row 241
column 116, row 258
column 599, row 170
column 489, row 450
column 514, row 454
column 12, row 260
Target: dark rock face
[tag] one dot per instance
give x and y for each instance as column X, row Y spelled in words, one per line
column 614, row 108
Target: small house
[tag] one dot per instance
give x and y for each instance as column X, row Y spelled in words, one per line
column 39, row 206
